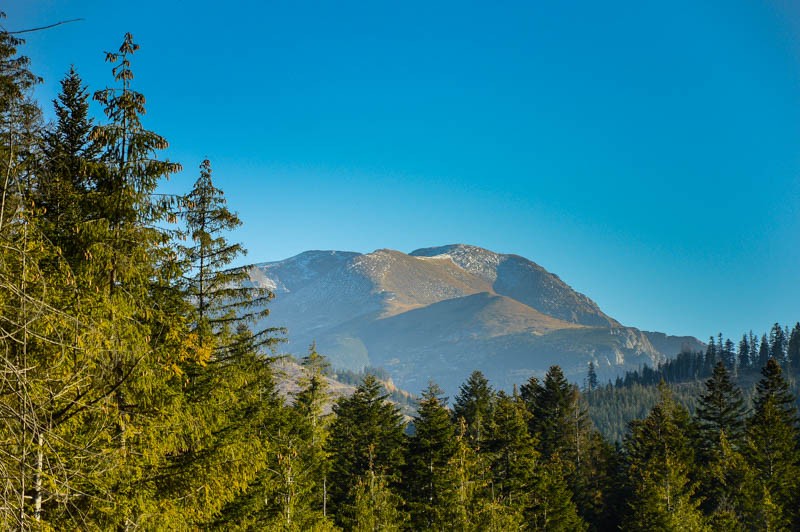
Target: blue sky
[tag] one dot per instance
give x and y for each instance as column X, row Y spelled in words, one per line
column 648, row 153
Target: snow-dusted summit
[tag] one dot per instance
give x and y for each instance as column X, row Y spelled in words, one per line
column 439, row 313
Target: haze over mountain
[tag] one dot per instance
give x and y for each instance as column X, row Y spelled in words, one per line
column 439, row 313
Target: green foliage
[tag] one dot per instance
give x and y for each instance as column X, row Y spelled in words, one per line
column 659, row 460
column 473, row 404
column 428, row 480
column 772, row 439
column 720, row 411
column 137, row 392
column 365, row 437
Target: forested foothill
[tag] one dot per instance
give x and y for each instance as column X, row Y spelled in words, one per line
column 135, row 392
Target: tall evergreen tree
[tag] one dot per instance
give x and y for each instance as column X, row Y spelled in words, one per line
column 70, row 158
column 375, row 506
column 754, row 350
column 777, row 343
column 513, row 453
column 557, row 419
column 45, row 400
column 129, row 282
column 473, row 507
column 743, row 356
column 720, row 435
column 226, row 358
column 729, row 354
column 711, row 356
column 659, row 461
column 793, row 348
column 474, row 404
column 223, row 297
column 312, row 425
column 366, row 440
column 773, row 436
column 720, row 410
column 591, row 377
column 763, row 351
column 428, row 479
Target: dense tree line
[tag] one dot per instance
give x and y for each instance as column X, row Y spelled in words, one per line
column 136, row 392
column 744, row 359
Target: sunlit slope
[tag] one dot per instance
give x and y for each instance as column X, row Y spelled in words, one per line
column 439, row 313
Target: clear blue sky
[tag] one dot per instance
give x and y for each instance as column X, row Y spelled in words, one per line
column 646, row 152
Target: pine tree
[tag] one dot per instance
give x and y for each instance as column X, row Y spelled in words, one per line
column 591, row 377
column 773, row 435
column 473, row 506
column 223, row 297
column 225, row 358
column 428, row 479
column 777, row 343
column 128, row 283
column 70, row 157
column 793, row 348
column 730, row 488
column 743, row 357
column 365, row 437
column 474, row 404
column 558, row 419
column 42, row 362
column 763, row 351
column 659, row 461
column 551, row 506
column 729, row 354
column 719, row 435
column 513, row 454
column 312, row 425
column 720, row 410
column 711, row 356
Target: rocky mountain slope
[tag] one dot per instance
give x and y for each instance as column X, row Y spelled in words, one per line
column 439, row 313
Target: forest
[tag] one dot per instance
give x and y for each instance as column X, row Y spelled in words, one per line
column 137, row 393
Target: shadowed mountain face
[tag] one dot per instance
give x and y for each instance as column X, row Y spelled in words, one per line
column 440, row 313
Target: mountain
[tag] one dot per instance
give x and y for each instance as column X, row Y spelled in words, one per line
column 439, row 313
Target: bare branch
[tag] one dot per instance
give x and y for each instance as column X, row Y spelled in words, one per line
column 44, row 27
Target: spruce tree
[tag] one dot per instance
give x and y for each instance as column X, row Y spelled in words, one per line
column 223, row 296
column 70, row 158
column 428, row 479
column 45, row 395
column 366, row 437
column 659, row 461
column 712, row 352
column 720, row 410
column 473, row 505
column 513, row 454
column 558, row 420
column 743, row 357
column 312, row 424
column 226, row 358
column 591, row 377
column 474, row 404
column 729, row 354
column 754, row 351
column 773, row 435
column 375, row 506
column 763, row 351
column 719, row 421
column 130, row 292
column 793, row 349
column 777, row 343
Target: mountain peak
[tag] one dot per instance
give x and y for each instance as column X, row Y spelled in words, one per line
column 438, row 311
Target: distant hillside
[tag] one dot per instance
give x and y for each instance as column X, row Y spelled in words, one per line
column 439, row 313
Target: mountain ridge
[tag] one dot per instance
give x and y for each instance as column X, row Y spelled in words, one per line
column 440, row 312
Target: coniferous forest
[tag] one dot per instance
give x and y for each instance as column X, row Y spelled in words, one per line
column 137, row 393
